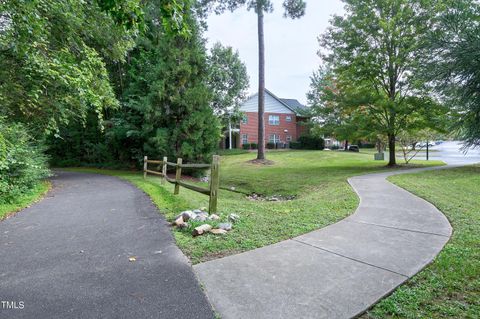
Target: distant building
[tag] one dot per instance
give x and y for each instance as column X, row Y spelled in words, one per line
column 284, row 121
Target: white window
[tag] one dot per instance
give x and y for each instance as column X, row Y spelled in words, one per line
column 244, row 138
column 245, row 119
column 288, row 118
column 274, row 138
column 289, row 138
column 274, row 119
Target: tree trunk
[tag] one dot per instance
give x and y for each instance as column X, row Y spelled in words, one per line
column 261, row 86
column 346, row 145
column 392, row 161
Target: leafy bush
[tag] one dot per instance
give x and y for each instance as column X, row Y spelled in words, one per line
column 295, row 145
column 253, row 146
column 246, row 146
column 308, row 142
column 366, row 145
column 270, row 146
column 22, row 163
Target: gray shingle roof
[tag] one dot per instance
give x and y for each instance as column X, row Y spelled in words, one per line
column 295, row 106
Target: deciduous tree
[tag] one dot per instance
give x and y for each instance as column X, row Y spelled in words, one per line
column 453, row 63
column 228, row 82
column 52, row 67
column 375, row 53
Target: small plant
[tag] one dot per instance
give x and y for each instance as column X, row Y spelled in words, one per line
column 253, row 146
column 270, row 146
column 246, row 146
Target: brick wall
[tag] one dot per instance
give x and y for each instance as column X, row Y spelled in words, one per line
column 251, row 128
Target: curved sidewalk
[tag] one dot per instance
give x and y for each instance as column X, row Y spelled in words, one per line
column 67, row 256
column 338, row 271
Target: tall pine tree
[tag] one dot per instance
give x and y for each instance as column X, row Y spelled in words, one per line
column 166, row 94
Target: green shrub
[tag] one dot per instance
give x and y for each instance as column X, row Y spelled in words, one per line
column 253, row 146
column 308, row 142
column 270, row 146
column 22, row 163
column 246, row 146
column 366, row 145
column 295, row 145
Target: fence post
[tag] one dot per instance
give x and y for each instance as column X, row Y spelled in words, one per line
column 145, row 166
column 214, row 184
column 178, row 176
column 164, row 169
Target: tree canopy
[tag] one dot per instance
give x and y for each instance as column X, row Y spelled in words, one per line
column 228, row 82
column 165, row 101
column 52, row 67
column 375, row 51
column 453, row 64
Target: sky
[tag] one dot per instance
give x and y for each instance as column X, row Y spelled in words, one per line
column 290, row 45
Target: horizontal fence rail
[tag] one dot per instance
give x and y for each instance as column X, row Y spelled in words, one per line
column 214, row 180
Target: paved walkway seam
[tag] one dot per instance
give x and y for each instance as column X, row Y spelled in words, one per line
column 402, row 229
column 344, row 256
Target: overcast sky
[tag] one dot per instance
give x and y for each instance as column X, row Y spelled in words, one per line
column 290, row 45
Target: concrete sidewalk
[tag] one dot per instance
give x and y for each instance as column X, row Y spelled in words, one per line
column 338, row 271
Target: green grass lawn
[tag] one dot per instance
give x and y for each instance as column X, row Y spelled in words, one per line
column 25, row 200
column 450, row 286
column 317, row 178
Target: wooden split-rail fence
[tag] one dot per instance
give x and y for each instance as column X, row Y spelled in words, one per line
column 214, row 180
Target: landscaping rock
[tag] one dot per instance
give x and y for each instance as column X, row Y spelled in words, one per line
column 214, row 217
column 201, row 217
column 218, row 231
column 233, row 218
column 179, row 222
column 188, row 214
column 201, row 229
column 225, row 226
column 253, row 196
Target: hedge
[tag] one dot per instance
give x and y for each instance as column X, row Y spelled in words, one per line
column 307, row 142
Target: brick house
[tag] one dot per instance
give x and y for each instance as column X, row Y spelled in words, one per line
column 283, row 120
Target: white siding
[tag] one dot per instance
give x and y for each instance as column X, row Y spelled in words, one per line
column 272, row 105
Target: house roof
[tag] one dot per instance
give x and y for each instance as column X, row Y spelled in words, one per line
column 294, row 105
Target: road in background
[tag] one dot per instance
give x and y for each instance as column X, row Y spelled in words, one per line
column 451, row 152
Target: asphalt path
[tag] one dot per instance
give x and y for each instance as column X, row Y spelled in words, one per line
column 95, row 247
